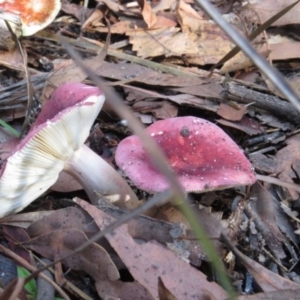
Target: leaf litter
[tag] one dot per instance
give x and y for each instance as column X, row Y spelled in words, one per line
column 158, row 61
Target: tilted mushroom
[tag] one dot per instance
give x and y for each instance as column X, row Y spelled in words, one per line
column 34, row 15
column 56, row 143
column 201, row 154
column 25, row 17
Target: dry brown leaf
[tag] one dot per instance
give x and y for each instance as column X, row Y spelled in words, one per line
column 188, row 18
column 66, row 183
column 138, row 73
column 286, row 163
column 208, row 48
column 136, row 94
column 160, row 109
column 164, row 293
column 165, row 20
column 24, row 220
column 278, row 295
column 149, row 261
column 267, row 280
column 163, row 41
column 163, row 5
column 94, row 260
column 122, row 290
column 147, row 13
column 142, row 227
column 209, row 90
column 248, row 125
column 230, row 113
column 241, row 61
column 263, row 205
column 68, row 218
column 112, row 5
column 75, row 10
column 266, row 9
column 96, row 16
column 12, row 59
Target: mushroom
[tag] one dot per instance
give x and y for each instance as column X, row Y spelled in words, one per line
column 201, row 154
column 55, row 143
column 34, row 15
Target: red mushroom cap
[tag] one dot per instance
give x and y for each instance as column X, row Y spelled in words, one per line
column 202, row 155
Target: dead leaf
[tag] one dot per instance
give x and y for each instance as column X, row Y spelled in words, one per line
column 96, row 16
column 278, row 295
column 163, row 41
column 286, row 163
column 149, row 261
column 142, row 227
column 122, row 290
column 24, row 220
column 210, row 90
column 160, row 109
column 94, row 260
column 230, row 113
column 188, row 18
column 136, row 94
column 267, row 280
column 266, row 9
column 163, row 292
column 147, row 13
column 12, row 59
column 248, row 125
column 261, row 202
column 66, row 183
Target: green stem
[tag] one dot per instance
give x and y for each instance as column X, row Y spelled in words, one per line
column 10, row 129
column 208, row 247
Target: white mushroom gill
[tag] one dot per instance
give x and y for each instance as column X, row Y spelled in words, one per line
column 32, row 169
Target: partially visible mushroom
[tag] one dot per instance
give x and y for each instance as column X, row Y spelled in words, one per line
column 34, row 15
column 56, row 143
column 201, row 154
column 25, row 17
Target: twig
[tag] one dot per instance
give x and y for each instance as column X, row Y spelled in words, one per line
column 266, row 102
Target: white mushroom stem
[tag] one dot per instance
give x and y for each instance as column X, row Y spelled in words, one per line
column 97, row 177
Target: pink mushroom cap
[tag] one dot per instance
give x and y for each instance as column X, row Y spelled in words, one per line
column 200, row 153
column 65, row 96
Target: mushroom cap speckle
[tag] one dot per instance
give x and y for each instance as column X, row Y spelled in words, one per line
column 200, row 153
column 38, row 159
column 34, row 15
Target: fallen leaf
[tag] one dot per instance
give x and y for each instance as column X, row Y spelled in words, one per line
column 94, row 260
column 163, row 292
column 247, row 125
column 141, row 74
column 122, row 290
column 149, row 261
column 230, row 113
column 160, row 109
column 188, row 18
column 267, row 280
column 261, row 202
column 278, row 295
column 12, row 59
column 286, row 163
column 147, row 13
column 265, row 9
